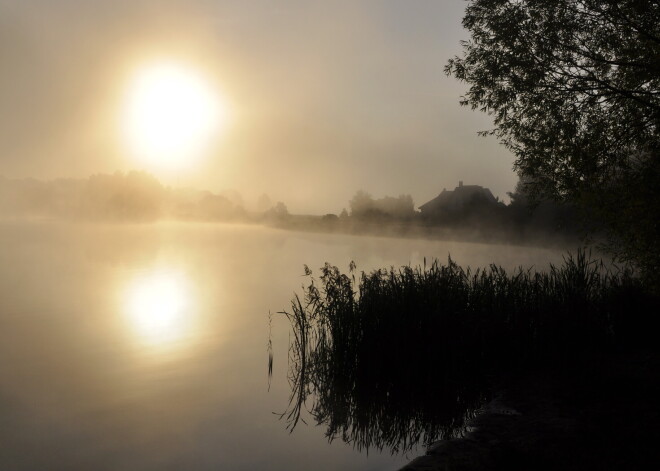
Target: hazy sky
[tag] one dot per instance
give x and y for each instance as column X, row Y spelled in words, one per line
column 324, row 98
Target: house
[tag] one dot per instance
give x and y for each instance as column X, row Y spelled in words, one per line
column 462, row 199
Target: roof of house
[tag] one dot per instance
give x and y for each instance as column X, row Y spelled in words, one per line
column 457, row 198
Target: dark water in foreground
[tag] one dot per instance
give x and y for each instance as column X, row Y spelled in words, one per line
column 145, row 347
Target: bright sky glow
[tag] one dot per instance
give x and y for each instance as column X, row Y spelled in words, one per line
column 313, row 100
column 171, row 115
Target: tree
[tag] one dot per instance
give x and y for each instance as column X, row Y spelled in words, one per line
column 401, row 207
column 361, row 203
column 574, row 90
column 134, row 196
column 280, row 210
column 279, row 213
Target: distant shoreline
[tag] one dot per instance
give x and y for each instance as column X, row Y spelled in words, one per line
column 415, row 230
column 315, row 225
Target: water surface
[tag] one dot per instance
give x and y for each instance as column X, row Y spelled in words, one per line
column 139, row 347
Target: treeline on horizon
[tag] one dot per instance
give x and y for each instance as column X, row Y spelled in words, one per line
column 119, row 197
column 526, row 217
column 140, row 197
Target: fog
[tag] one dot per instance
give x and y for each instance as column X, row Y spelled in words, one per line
column 466, row 213
column 104, row 374
column 324, row 99
column 153, row 230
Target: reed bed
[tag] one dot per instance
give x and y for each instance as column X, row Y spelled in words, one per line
column 403, row 356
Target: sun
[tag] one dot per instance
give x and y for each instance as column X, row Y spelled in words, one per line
column 160, row 307
column 171, row 115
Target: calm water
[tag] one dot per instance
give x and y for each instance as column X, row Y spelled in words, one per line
column 145, row 347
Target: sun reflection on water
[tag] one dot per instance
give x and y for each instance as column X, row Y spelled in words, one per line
column 160, row 308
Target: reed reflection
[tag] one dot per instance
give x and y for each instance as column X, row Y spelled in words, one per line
column 160, row 308
column 403, row 357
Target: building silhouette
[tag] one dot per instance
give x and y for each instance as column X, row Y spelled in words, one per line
column 461, row 200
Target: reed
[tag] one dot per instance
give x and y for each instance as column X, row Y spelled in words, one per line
column 403, row 356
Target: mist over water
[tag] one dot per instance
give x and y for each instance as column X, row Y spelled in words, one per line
column 145, row 346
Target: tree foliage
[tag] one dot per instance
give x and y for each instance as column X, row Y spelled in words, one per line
column 574, row 90
column 363, row 205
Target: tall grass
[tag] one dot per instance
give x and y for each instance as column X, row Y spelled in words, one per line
column 403, row 356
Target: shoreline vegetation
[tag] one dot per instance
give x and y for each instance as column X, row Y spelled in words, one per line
column 398, row 358
column 137, row 197
column 426, row 230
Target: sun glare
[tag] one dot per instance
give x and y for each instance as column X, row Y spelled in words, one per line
column 171, row 115
column 159, row 307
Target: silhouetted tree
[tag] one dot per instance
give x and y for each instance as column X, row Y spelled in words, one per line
column 361, row 203
column 131, row 196
column 520, row 196
column 574, row 90
column 401, row 207
column 234, row 197
column 215, row 207
column 330, row 219
column 364, row 206
column 281, row 209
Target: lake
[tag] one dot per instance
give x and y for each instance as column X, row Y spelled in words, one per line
column 140, row 347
